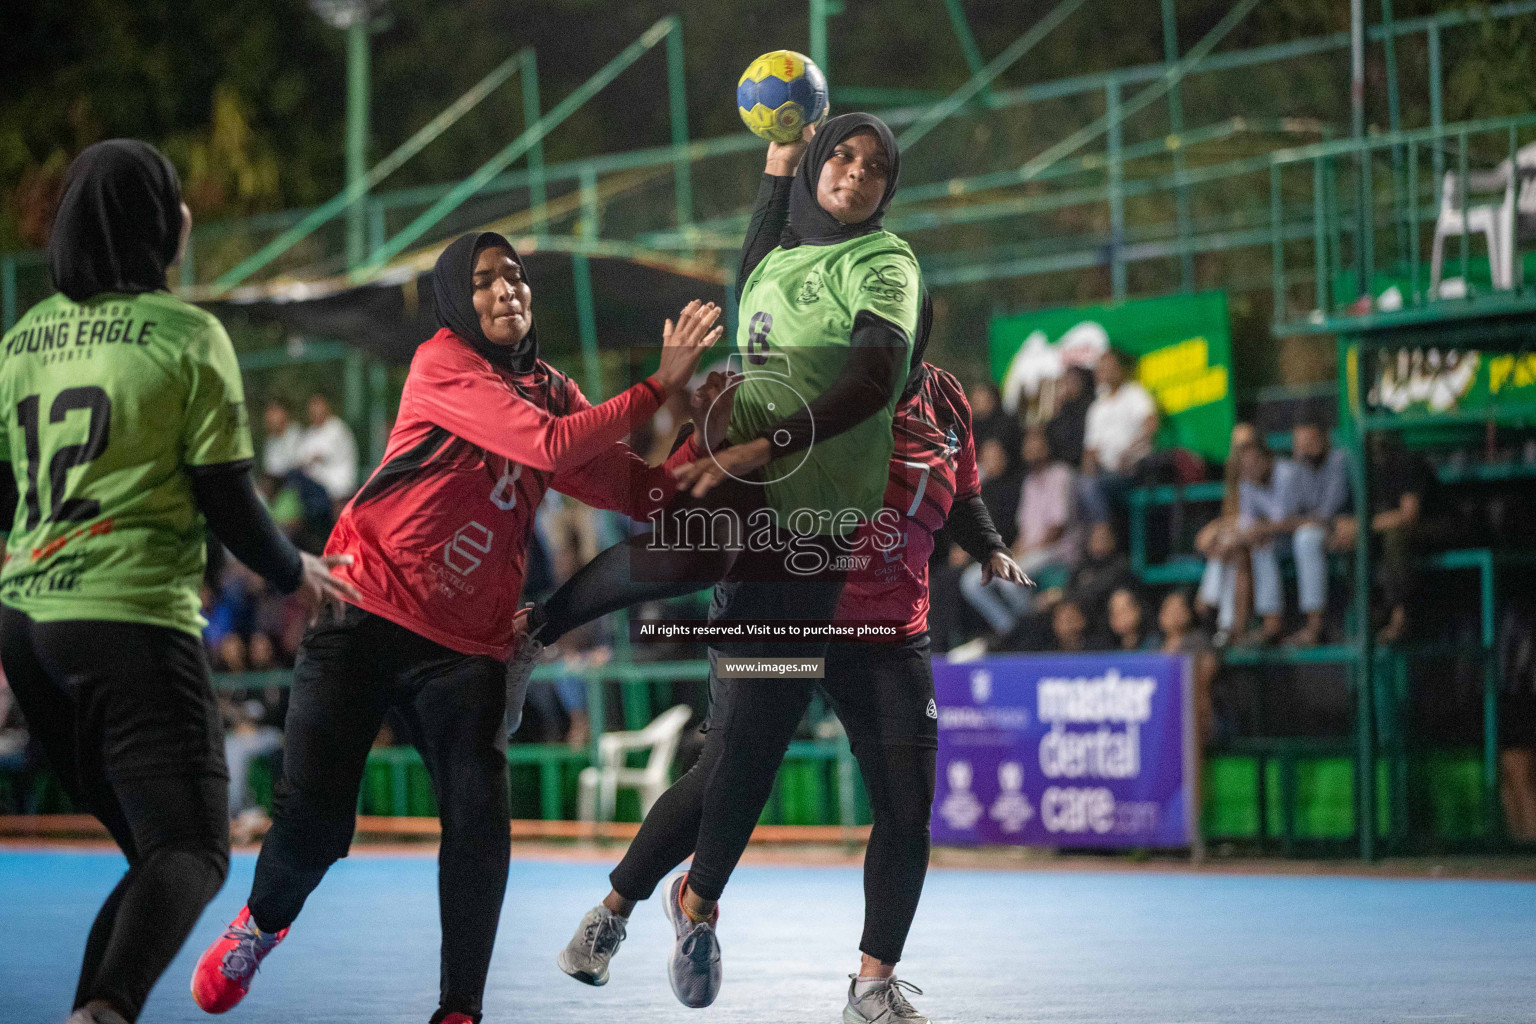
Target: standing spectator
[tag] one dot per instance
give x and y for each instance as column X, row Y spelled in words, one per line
column 1226, row 587
column 1048, row 537
column 989, row 420
column 1064, row 430
column 280, row 450
column 1117, row 437
column 1310, row 491
column 1127, row 621
column 1517, row 722
column 328, row 451
column 1179, row 635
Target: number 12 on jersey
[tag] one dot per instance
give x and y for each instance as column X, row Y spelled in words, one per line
column 90, row 398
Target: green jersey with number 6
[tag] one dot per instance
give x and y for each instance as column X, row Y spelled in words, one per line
column 104, row 407
column 797, row 315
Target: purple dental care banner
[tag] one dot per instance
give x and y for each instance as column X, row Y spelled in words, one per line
column 1065, row 750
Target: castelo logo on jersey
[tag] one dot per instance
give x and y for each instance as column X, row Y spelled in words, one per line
column 465, row 552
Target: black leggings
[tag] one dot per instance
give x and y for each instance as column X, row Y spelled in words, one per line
column 639, row 570
column 351, row 671
column 881, row 692
column 126, row 718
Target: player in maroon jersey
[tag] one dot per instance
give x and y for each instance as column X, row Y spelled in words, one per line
column 437, row 539
column 882, row 692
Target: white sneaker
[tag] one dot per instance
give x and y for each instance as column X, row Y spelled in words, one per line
column 694, row 968
column 882, row 1003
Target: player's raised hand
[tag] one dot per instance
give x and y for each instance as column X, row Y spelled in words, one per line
column 684, row 344
column 704, row 475
column 1001, row 566
column 784, row 157
column 319, row 588
column 710, row 406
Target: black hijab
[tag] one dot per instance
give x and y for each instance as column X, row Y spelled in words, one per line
column 809, row 224
column 453, row 287
column 119, row 222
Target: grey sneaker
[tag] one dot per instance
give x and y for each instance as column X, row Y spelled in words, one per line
column 597, row 938
column 694, row 968
column 519, row 668
column 882, row 1004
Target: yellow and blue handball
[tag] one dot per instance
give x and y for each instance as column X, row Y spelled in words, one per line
column 781, row 93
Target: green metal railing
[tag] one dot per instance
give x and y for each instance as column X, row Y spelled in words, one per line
column 1387, row 163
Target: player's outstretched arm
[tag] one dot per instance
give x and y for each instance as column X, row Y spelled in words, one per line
column 458, row 391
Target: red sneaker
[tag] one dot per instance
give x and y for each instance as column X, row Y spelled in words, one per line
column 224, row 971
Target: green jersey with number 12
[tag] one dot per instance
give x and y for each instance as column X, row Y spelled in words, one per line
column 104, row 405
column 796, row 324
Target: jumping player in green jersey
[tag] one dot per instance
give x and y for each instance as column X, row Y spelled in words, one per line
column 830, row 305
column 123, row 420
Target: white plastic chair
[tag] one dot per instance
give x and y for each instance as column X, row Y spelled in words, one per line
column 1494, row 220
column 598, row 786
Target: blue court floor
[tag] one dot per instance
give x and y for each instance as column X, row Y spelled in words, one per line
column 1121, row 947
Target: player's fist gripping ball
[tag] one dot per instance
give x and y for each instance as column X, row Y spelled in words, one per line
column 781, row 93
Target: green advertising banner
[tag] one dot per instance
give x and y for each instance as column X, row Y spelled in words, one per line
column 1183, row 348
column 1450, row 383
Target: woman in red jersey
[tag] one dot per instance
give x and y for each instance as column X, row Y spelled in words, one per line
column 438, row 537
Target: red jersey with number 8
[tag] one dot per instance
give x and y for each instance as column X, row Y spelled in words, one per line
column 439, row 533
column 933, row 466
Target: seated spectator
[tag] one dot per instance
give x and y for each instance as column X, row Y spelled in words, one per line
column 1103, row 570
column 990, row 421
column 1117, row 437
column 1064, row 430
column 1257, row 518
column 1226, row 587
column 328, row 451
column 1069, row 627
column 253, row 728
column 1048, row 538
column 1307, row 493
column 1000, row 484
column 280, row 450
column 230, row 612
column 1402, row 485
column 1127, row 622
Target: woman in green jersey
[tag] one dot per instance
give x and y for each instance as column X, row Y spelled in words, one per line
column 829, row 307
column 123, row 420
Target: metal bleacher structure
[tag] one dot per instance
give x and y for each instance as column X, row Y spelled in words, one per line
column 1345, row 207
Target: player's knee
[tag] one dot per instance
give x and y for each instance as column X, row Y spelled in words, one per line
column 199, row 866
column 326, row 824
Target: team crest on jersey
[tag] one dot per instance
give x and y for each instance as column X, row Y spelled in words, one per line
column 951, row 444
column 810, row 291
column 888, row 282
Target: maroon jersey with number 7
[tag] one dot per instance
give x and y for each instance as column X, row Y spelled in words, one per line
column 932, row 467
